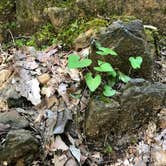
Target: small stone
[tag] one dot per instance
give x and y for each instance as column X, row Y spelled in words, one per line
column 19, row 145
column 44, row 78
column 13, row 119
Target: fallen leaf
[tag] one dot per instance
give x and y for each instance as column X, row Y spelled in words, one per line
column 31, row 90
column 51, row 101
column 71, row 162
column 30, row 65
column 59, row 160
column 28, row 86
column 59, row 144
column 44, row 78
column 4, row 75
column 48, row 91
column 62, row 90
column 62, row 118
column 75, row 152
column 74, row 74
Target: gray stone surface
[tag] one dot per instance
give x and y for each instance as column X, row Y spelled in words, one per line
column 19, row 145
column 138, row 104
column 127, row 39
column 13, row 119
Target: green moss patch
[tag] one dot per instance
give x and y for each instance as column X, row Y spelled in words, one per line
column 44, row 37
column 68, row 34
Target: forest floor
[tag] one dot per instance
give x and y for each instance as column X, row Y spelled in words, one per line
column 57, row 97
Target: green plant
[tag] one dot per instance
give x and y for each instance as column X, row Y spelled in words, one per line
column 94, row 81
column 20, row 42
column 91, row 82
column 75, row 62
column 136, row 62
column 108, row 149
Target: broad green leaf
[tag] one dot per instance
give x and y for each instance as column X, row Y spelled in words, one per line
column 104, row 67
column 97, row 44
column 91, row 82
column 112, row 73
column 124, row 77
column 100, row 62
column 75, row 62
column 136, row 62
column 108, row 91
column 108, row 149
column 106, row 51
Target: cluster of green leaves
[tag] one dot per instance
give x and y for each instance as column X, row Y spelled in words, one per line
column 43, row 38
column 93, row 82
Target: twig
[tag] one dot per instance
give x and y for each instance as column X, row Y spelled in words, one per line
column 11, row 36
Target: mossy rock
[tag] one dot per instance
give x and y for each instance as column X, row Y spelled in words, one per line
column 127, row 39
column 72, row 35
column 125, row 113
column 69, row 34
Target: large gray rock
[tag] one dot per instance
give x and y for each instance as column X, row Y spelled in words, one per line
column 13, row 119
column 138, row 103
column 19, row 145
column 127, row 39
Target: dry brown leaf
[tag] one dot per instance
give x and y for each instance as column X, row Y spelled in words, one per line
column 52, row 101
column 62, row 90
column 44, row 78
column 71, row 162
column 74, row 74
column 39, row 117
column 4, row 75
column 59, row 160
column 3, row 105
column 47, row 91
column 59, row 144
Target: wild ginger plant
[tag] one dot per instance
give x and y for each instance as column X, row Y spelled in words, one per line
column 94, row 81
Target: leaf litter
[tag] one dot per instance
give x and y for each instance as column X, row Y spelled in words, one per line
column 55, row 91
column 42, row 77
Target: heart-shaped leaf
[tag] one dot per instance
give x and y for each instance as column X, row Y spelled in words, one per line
column 91, row 82
column 104, row 67
column 124, row 77
column 75, row 62
column 108, row 91
column 136, row 62
column 106, row 51
column 112, row 73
